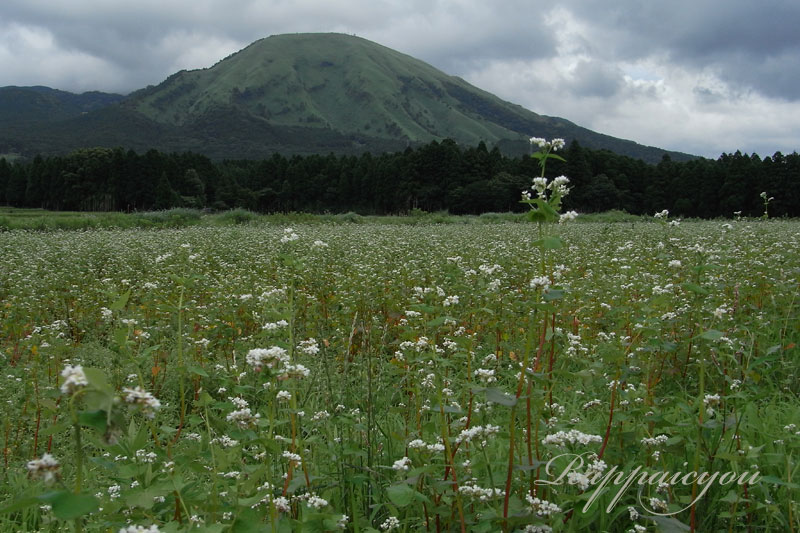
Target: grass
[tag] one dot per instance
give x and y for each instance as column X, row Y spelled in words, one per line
column 42, row 220
column 406, row 375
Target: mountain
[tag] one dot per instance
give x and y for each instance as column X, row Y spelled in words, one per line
column 298, row 93
column 43, row 104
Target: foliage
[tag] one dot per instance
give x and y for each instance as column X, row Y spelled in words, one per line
column 437, row 177
column 293, row 94
column 261, row 377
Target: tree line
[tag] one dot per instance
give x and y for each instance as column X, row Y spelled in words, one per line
column 434, row 177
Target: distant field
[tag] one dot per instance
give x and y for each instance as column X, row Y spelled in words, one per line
column 42, row 220
column 425, row 373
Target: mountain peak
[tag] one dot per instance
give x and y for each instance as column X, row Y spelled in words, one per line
column 312, row 92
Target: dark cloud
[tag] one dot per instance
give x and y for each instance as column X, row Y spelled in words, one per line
column 749, row 44
column 721, row 69
column 596, row 79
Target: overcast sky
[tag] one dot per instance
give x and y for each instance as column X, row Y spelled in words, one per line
column 699, row 76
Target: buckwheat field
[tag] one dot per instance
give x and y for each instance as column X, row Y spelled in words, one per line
column 481, row 377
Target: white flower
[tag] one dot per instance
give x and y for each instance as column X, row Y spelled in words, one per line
column 74, row 379
column 289, row 235
column 474, row 432
column 316, row 502
column 662, row 214
column 292, row 457
column 401, row 464
column 140, row 529
column 541, row 281
column 569, row 216
column 270, row 357
column 572, row 436
column 243, row 418
column 559, row 186
column 282, row 505
column 658, row 440
column 148, row 403
column 390, row 524
column 450, row 300
column 541, row 508
column 540, row 186
column 309, row 346
column 284, row 395
column 45, row 468
column 538, row 141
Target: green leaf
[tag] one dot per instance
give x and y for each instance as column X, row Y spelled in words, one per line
column 68, row 505
column 401, row 494
column 553, row 294
column 98, row 381
column 247, row 522
column 56, row 428
column 497, row 396
column 549, row 243
column 20, row 504
column 197, row 370
column 94, row 419
column 712, row 335
column 667, row 524
column 693, row 287
column 120, row 303
column 778, row 481
column 205, row 399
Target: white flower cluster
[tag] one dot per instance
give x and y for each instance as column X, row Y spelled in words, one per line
column 540, row 281
column 559, row 187
column 419, row 444
column 45, row 468
column 316, row 502
column 569, row 216
column 272, row 326
column 295, row 371
column 591, row 403
column 309, row 346
column 401, row 465
column 139, row 397
column 572, row 436
column 243, row 418
column 662, row 214
column 554, row 145
column 269, row 357
column 292, row 457
column 140, row 529
column 390, row 524
column 537, row 528
column 658, row 440
column 284, row 395
column 467, row 435
column 450, row 300
column 289, row 235
column 541, row 508
column 474, row 491
column 74, row 379
column 486, row 375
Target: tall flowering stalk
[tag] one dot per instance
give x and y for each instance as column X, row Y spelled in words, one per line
column 544, row 199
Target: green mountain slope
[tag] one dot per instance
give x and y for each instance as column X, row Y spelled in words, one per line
column 307, row 93
column 43, row 104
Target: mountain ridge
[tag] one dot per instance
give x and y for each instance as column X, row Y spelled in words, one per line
column 303, row 93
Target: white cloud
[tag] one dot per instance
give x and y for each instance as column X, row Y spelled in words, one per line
column 700, row 77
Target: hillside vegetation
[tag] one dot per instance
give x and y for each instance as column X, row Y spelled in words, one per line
column 292, row 94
